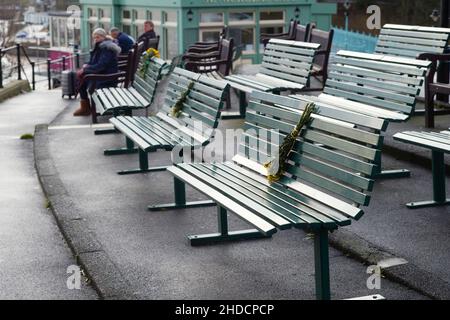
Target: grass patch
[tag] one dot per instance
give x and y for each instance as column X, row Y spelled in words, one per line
column 48, row 204
column 27, row 136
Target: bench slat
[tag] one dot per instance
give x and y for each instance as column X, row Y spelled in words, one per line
column 245, row 214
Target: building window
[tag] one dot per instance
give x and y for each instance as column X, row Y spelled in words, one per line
column 271, row 22
column 210, row 35
column 105, row 18
column 241, row 17
column 211, row 18
column 139, row 19
column 126, row 21
column 241, row 28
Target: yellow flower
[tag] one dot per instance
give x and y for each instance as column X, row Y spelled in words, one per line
column 152, row 52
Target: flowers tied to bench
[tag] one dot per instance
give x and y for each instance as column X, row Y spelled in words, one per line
column 147, row 58
column 276, row 166
column 177, row 108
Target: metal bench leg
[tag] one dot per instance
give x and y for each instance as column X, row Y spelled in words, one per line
column 224, row 234
column 439, row 198
column 242, row 106
column 127, row 150
column 322, row 268
column 392, row 174
column 143, row 165
column 105, row 131
column 180, row 199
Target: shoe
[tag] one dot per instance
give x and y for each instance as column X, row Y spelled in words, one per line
column 84, row 109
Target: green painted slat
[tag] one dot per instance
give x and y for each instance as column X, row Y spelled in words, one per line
column 254, row 195
column 424, row 42
column 171, row 133
column 290, row 63
column 296, row 208
column 151, row 127
column 237, row 197
column 144, row 132
column 245, row 214
column 122, row 127
column 280, row 68
column 406, row 99
column 98, row 103
column 415, row 34
column 410, row 46
column 336, row 157
column 369, row 100
column 294, row 57
column 348, row 178
column 341, row 144
column 361, row 72
column 328, row 184
column 311, row 207
column 407, row 138
column 404, row 89
column 380, row 65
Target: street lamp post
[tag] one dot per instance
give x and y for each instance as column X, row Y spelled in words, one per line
column 347, row 5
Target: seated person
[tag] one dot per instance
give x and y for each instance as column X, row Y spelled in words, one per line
column 124, row 41
column 103, row 60
column 149, row 33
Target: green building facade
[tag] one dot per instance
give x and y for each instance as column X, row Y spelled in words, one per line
column 182, row 22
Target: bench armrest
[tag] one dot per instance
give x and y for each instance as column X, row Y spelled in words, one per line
column 199, row 56
column 205, row 49
column 273, row 35
column 195, row 66
column 99, row 77
column 434, row 58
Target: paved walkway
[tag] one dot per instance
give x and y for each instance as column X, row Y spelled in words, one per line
column 33, row 255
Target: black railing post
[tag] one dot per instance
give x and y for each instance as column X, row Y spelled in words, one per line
column 19, row 66
column 49, row 74
column 63, row 63
column 33, row 79
column 1, row 69
column 77, row 60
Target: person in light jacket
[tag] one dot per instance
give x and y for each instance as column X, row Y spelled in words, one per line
column 103, row 60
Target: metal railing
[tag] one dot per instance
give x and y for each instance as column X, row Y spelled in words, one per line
column 66, row 62
column 19, row 66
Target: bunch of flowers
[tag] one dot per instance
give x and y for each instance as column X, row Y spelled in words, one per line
column 147, row 57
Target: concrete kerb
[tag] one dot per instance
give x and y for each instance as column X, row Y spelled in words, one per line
column 408, row 274
column 104, row 275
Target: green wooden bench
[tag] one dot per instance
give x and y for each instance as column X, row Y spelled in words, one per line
column 410, row 41
column 439, row 144
column 327, row 179
column 375, row 85
column 286, row 66
column 115, row 101
column 193, row 129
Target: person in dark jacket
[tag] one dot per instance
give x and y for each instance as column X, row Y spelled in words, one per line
column 103, row 60
column 149, row 33
column 124, row 41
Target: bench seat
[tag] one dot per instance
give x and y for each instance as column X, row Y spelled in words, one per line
column 139, row 95
column 439, row 144
column 286, row 66
column 191, row 130
column 327, row 178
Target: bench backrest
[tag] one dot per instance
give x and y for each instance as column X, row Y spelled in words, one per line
column 325, row 39
column 410, row 41
column 138, row 49
column 226, row 54
column 292, row 29
column 303, row 33
column 288, row 60
column 386, row 82
column 147, row 86
column 153, row 43
column 337, row 153
column 201, row 111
